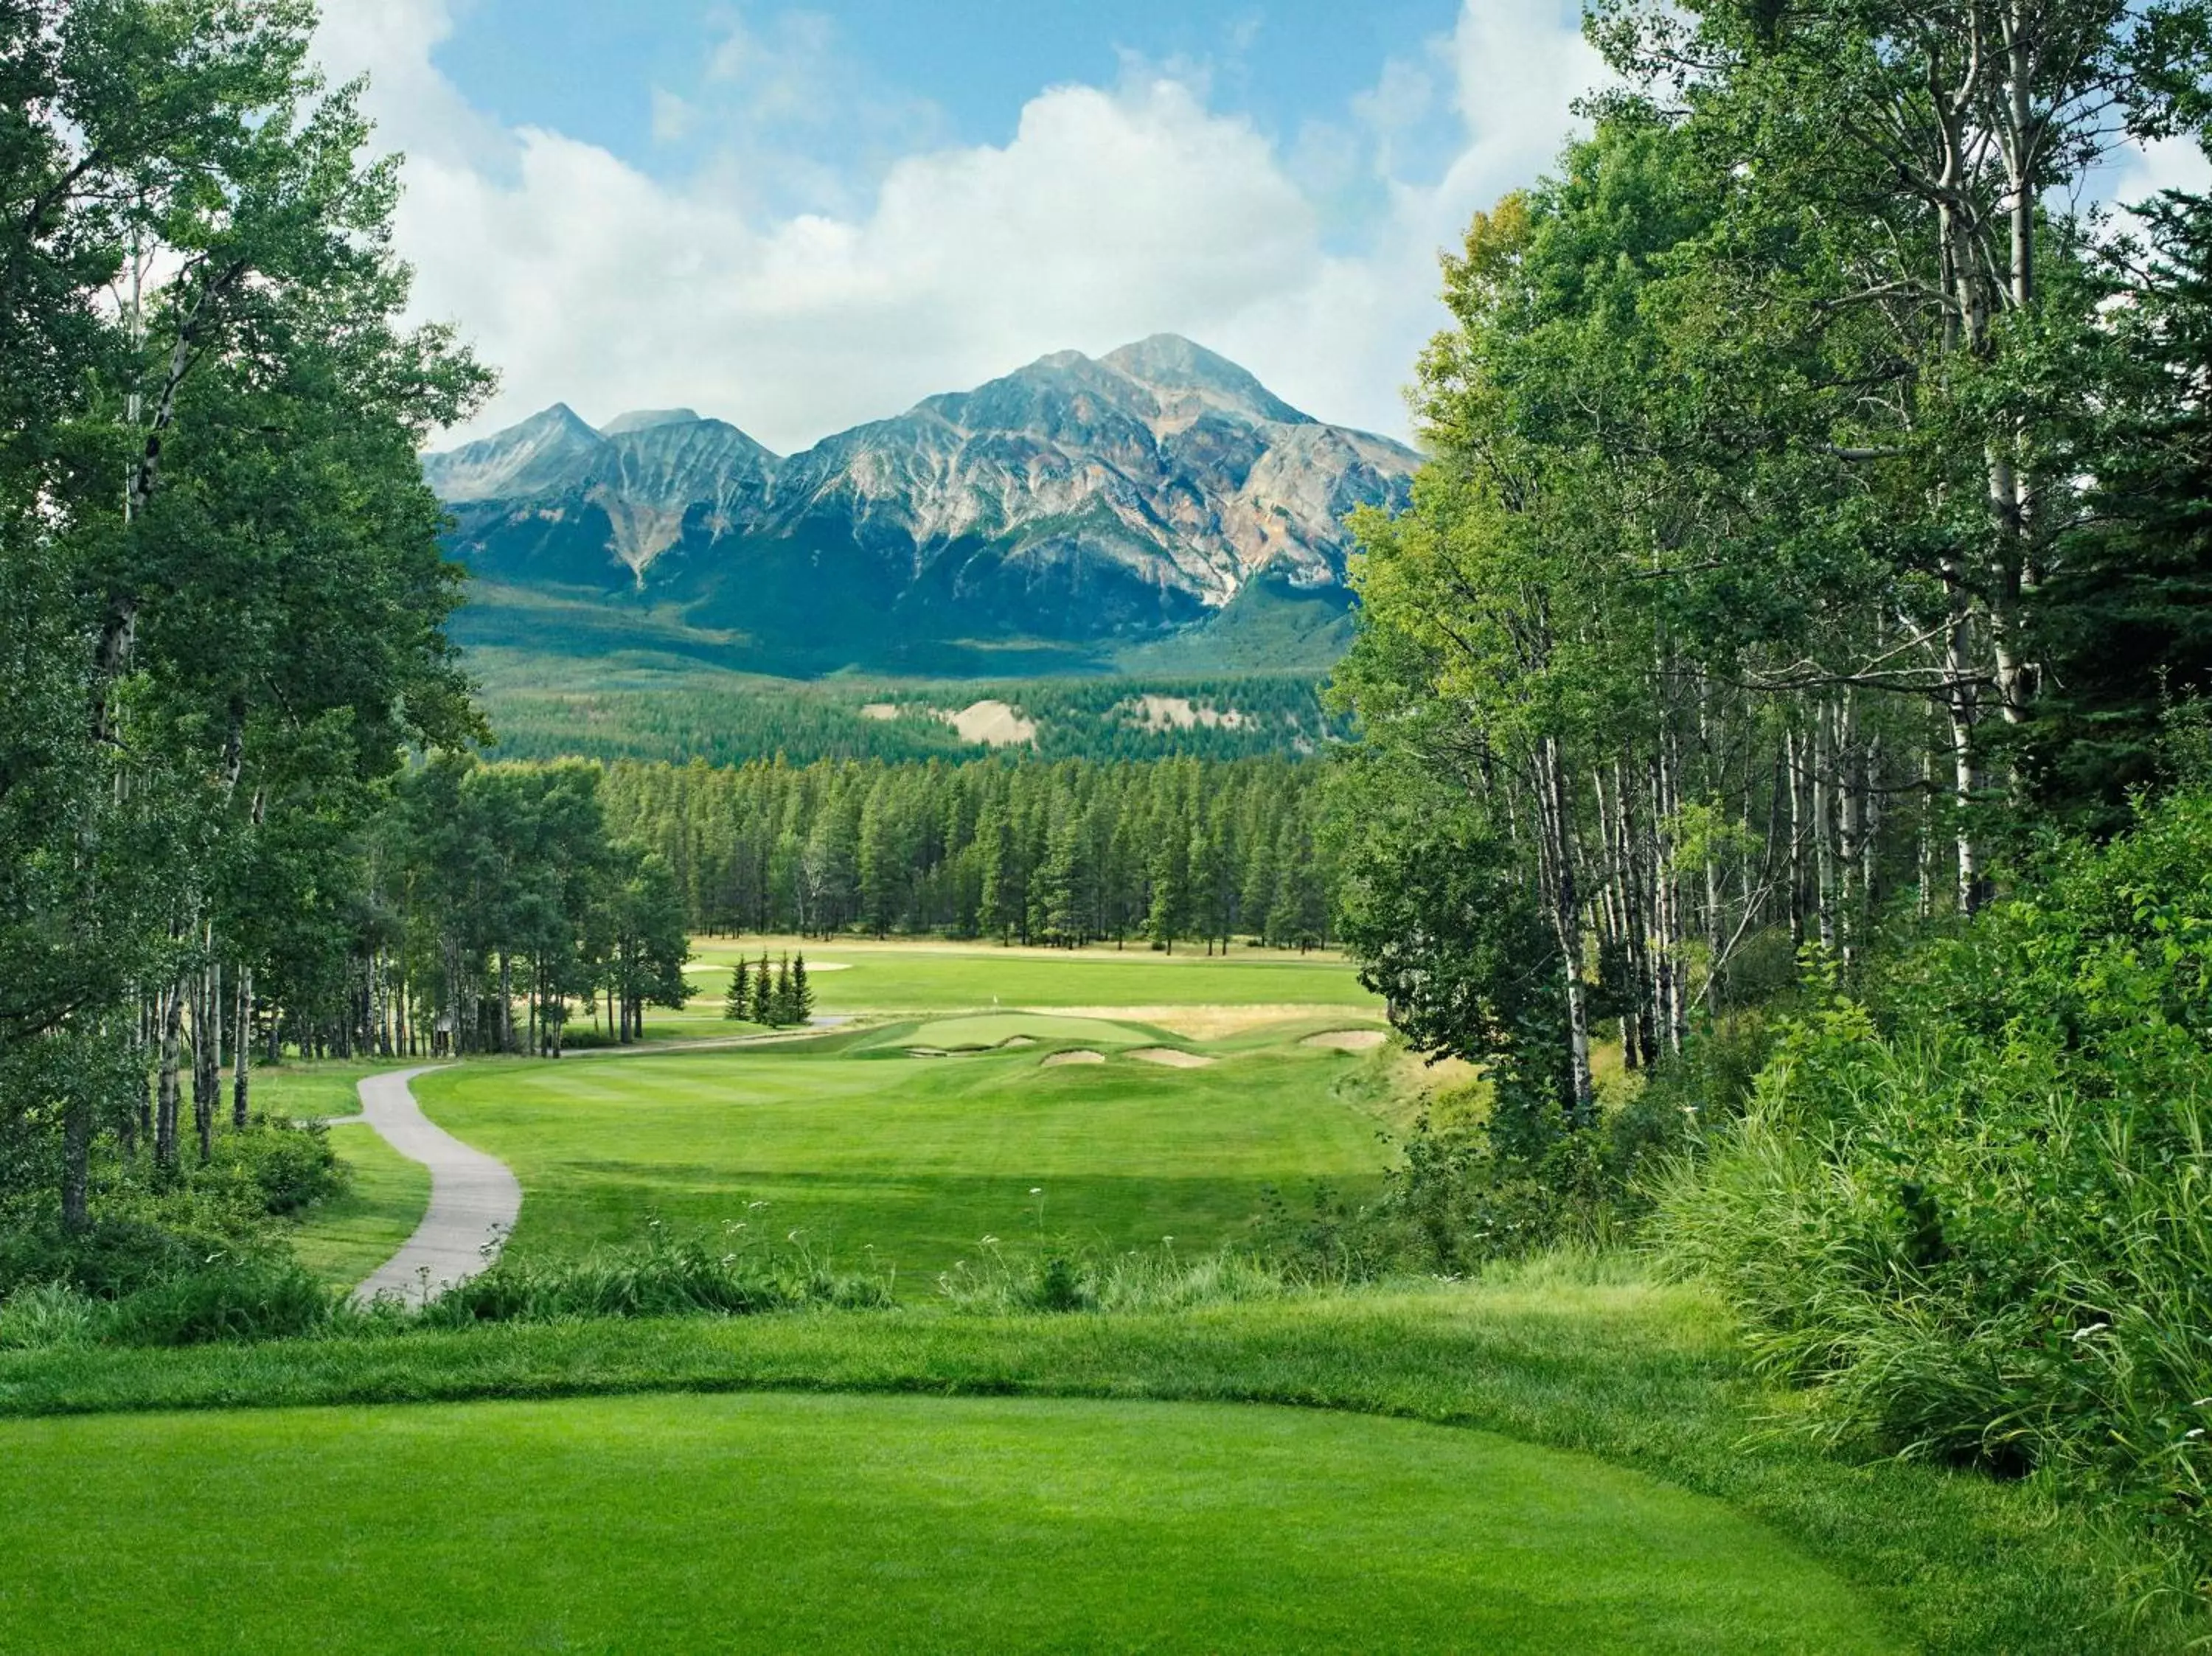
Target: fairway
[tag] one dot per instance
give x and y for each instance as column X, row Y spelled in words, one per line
column 771, row 1522
column 880, row 1158
column 854, row 976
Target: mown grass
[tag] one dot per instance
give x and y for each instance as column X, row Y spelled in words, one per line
column 345, row 1239
column 854, row 975
column 816, row 1523
column 1645, row 1377
column 881, row 1159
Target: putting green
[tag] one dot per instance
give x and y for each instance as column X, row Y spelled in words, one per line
column 767, row 1522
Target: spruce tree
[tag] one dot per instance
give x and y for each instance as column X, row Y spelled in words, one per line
column 738, row 1005
column 780, row 997
column 802, row 993
column 763, row 994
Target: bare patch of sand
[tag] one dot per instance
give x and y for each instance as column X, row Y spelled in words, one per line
column 993, row 723
column 1158, row 713
column 1196, row 1023
column 884, row 710
column 1020, row 1040
column 1060, row 1060
column 1168, row 1057
column 1347, row 1040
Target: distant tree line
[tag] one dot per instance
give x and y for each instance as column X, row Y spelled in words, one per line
column 1174, row 852
column 679, row 715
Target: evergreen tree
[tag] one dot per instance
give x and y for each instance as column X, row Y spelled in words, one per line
column 779, row 996
column 763, row 994
column 802, row 991
column 738, row 1006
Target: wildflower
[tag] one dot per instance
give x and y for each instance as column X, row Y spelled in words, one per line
column 2094, row 1328
column 990, row 1242
column 1036, row 1190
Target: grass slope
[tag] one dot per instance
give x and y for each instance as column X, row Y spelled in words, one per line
column 1644, row 1377
column 916, row 1159
column 345, row 1240
column 800, row 1524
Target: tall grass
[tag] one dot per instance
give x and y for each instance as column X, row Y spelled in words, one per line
column 1973, row 1212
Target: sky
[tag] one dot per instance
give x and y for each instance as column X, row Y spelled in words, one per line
column 798, row 218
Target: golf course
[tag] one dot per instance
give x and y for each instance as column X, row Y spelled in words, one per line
column 1559, row 1458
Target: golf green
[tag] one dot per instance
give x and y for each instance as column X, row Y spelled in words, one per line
column 800, row 1522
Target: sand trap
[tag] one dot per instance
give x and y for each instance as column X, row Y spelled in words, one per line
column 927, row 1051
column 1349, row 1040
column 1170, row 1059
column 1020, row 1040
column 884, row 710
column 1202, row 1022
column 1060, row 1060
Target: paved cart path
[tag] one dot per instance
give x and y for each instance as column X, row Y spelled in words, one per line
column 474, row 1197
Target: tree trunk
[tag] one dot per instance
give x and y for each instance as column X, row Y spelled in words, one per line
column 1566, row 920
column 165, row 1107
column 241, row 1047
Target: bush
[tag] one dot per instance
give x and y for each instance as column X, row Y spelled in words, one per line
column 291, row 1168
column 47, row 1314
column 1973, row 1206
column 1064, row 1278
column 664, row 1275
column 241, row 1299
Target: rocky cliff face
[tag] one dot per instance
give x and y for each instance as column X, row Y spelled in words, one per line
column 1073, row 499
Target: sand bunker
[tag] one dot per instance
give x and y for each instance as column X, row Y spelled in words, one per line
column 1349, row 1040
column 884, row 710
column 1170, row 1059
column 1060, row 1060
column 927, row 1051
column 1201, row 1022
column 1020, row 1040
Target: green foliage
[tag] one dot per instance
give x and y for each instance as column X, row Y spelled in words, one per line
column 1067, row 853
column 665, row 1275
column 1970, row 1208
column 663, row 709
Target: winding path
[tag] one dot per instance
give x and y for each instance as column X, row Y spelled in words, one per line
column 474, row 1197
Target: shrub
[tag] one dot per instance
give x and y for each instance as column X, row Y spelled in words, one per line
column 1973, row 1206
column 1063, row 1278
column 242, row 1300
column 662, row 1275
column 48, row 1315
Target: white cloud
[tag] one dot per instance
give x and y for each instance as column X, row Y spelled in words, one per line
column 1111, row 213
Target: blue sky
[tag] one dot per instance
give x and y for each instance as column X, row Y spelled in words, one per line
column 963, row 68
column 799, row 217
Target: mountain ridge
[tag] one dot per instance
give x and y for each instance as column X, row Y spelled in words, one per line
column 1082, row 503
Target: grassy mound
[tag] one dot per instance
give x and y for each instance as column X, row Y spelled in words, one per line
column 852, row 1523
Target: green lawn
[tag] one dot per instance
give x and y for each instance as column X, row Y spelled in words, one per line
column 861, row 976
column 916, row 1159
column 343, row 1241
column 1642, row 1376
column 812, row 1523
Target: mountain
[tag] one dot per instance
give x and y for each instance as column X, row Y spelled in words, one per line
column 1068, row 512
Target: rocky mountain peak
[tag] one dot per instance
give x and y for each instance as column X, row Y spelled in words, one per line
column 1189, row 379
column 1073, row 498
column 646, row 419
